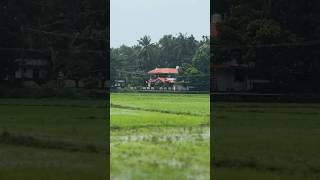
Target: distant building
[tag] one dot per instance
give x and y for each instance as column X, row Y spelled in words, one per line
column 165, row 79
column 31, row 69
column 229, row 76
column 119, row 83
column 32, row 72
column 164, row 76
column 232, row 76
column 29, row 72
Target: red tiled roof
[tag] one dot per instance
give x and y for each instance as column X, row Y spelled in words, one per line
column 214, row 30
column 163, row 71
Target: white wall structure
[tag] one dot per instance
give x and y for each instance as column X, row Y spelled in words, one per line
column 226, row 80
column 231, row 76
column 31, row 69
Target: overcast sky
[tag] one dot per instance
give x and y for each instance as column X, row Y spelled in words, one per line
column 132, row 19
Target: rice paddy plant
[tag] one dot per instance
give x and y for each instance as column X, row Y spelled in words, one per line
column 159, row 136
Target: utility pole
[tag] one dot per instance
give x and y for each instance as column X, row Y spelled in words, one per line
column 22, row 55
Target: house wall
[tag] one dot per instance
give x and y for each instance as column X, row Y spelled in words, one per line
column 179, row 87
column 225, row 81
column 29, row 72
column 70, row 83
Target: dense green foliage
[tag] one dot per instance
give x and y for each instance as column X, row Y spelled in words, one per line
column 281, row 37
column 72, row 36
column 159, row 136
column 192, row 56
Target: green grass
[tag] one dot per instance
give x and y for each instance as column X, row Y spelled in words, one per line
column 19, row 162
column 174, row 103
column 53, row 138
column 159, row 136
column 266, row 141
column 67, row 121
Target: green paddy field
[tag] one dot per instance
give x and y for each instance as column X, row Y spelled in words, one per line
column 50, row 139
column 166, row 136
column 158, row 136
column 266, row 141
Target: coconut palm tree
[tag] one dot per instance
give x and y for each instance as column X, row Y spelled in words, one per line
column 145, row 52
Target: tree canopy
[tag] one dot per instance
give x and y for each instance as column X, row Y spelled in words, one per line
column 72, row 35
column 191, row 55
column 281, row 37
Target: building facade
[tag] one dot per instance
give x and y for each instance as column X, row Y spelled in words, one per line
column 31, row 69
column 165, row 79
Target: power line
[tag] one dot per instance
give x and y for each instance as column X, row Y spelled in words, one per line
column 88, row 12
column 63, row 35
column 306, row 43
column 53, row 23
column 21, row 49
column 48, row 51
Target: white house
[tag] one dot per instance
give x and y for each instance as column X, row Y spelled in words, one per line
column 232, row 76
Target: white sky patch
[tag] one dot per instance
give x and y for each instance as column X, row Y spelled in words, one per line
column 132, row 19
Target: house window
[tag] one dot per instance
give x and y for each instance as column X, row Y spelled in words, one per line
column 239, row 75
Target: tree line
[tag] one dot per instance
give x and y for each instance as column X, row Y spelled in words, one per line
column 71, row 35
column 131, row 63
column 282, row 38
